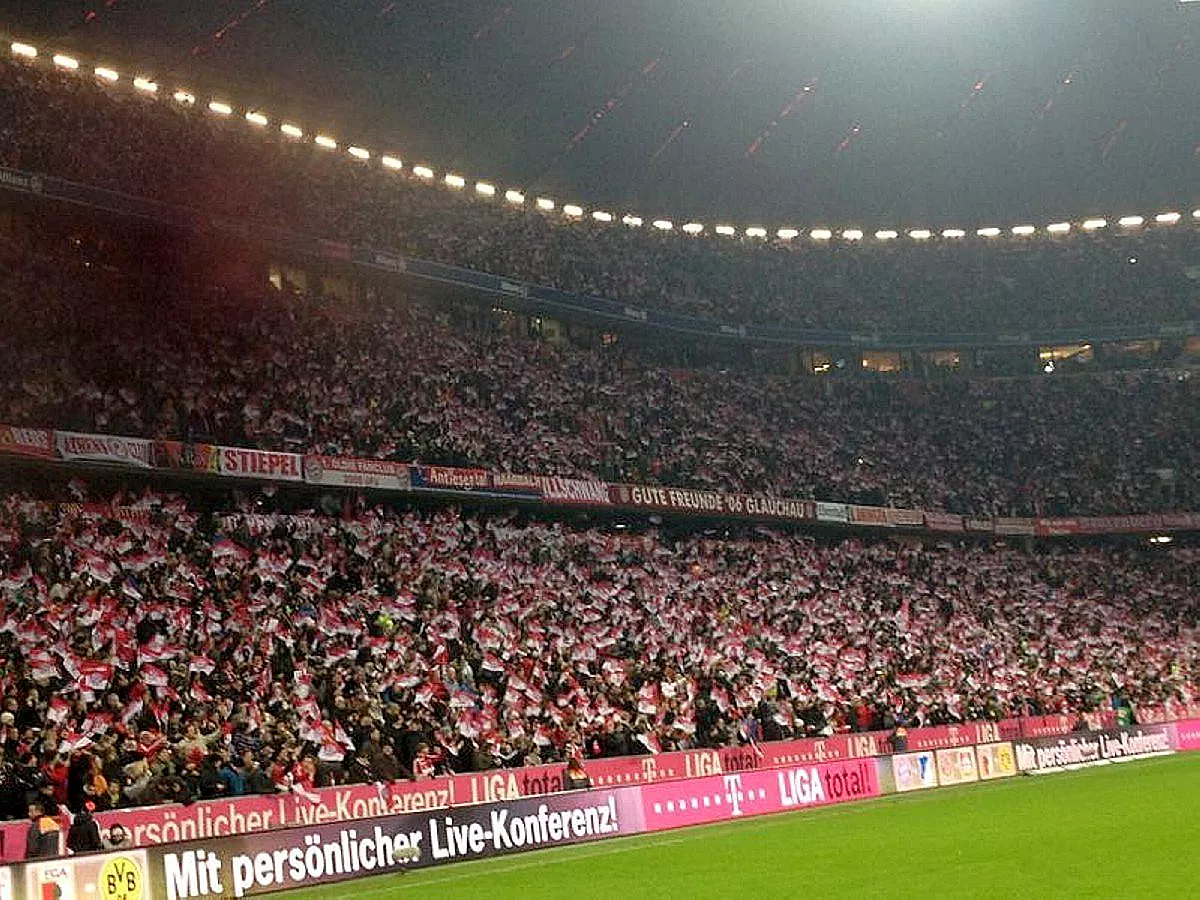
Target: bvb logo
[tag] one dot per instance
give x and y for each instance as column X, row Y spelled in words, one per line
column 120, row 879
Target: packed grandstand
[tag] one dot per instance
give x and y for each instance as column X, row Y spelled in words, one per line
column 169, row 639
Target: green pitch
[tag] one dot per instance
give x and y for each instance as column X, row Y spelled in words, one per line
column 1130, row 830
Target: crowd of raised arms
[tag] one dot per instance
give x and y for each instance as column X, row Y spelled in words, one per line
column 94, row 349
column 70, row 126
column 162, row 651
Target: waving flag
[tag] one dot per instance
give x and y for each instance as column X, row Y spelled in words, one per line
column 154, row 676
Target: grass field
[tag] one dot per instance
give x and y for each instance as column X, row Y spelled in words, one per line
column 1131, row 830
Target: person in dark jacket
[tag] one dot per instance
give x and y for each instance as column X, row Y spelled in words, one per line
column 84, row 834
column 41, row 841
column 574, row 776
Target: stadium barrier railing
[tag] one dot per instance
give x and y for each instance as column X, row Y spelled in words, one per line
column 345, row 473
column 323, row 853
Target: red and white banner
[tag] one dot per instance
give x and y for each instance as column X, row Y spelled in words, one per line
column 907, row 518
column 106, row 448
column 37, row 442
column 937, row 521
column 870, row 515
column 241, row 463
column 1015, row 526
column 361, row 473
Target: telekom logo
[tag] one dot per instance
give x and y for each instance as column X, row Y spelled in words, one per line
column 733, row 793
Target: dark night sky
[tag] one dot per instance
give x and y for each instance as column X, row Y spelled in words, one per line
column 967, row 111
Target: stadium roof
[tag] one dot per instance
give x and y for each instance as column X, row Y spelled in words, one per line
column 849, row 113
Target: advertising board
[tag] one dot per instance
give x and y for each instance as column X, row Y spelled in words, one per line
column 914, row 771
column 996, row 761
column 1091, row 748
column 956, row 766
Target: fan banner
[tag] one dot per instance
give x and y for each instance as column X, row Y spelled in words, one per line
column 105, row 448
column 241, row 463
column 359, row 473
column 687, row 500
column 35, row 442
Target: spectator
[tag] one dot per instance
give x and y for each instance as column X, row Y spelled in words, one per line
column 84, row 834
column 42, row 839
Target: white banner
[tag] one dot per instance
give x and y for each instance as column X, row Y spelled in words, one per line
column 833, row 512
column 364, row 473
column 242, row 463
column 125, row 451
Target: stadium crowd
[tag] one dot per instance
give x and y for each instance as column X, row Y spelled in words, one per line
column 101, row 350
column 157, row 649
column 71, row 126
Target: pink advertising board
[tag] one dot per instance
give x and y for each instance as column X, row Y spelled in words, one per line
column 719, row 798
column 1187, row 735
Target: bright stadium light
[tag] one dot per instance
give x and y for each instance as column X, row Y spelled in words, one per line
column 852, row 234
column 291, row 131
column 632, row 221
column 663, row 224
column 989, row 232
column 106, row 74
column 423, row 172
column 756, row 231
column 787, row 234
column 693, row 228
column 25, row 50
column 257, row 118
column 544, row 203
column 65, row 62
column 602, row 216
column 954, row 233
column 1093, row 224
column 1130, row 221
column 145, row 84
column 514, row 197
column 1196, row 213
column 1024, row 230
column 184, row 98
column 391, row 162
column 359, row 153
column 324, row 140
column 886, row 234
column 820, row 234
column 573, row 210
column 221, row 109
column 725, row 230
column 484, row 189
column 455, row 181
column 920, row 234
column 1059, row 228
column 1167, row 218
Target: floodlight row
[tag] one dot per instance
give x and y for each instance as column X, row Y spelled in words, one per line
column 574, row 211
